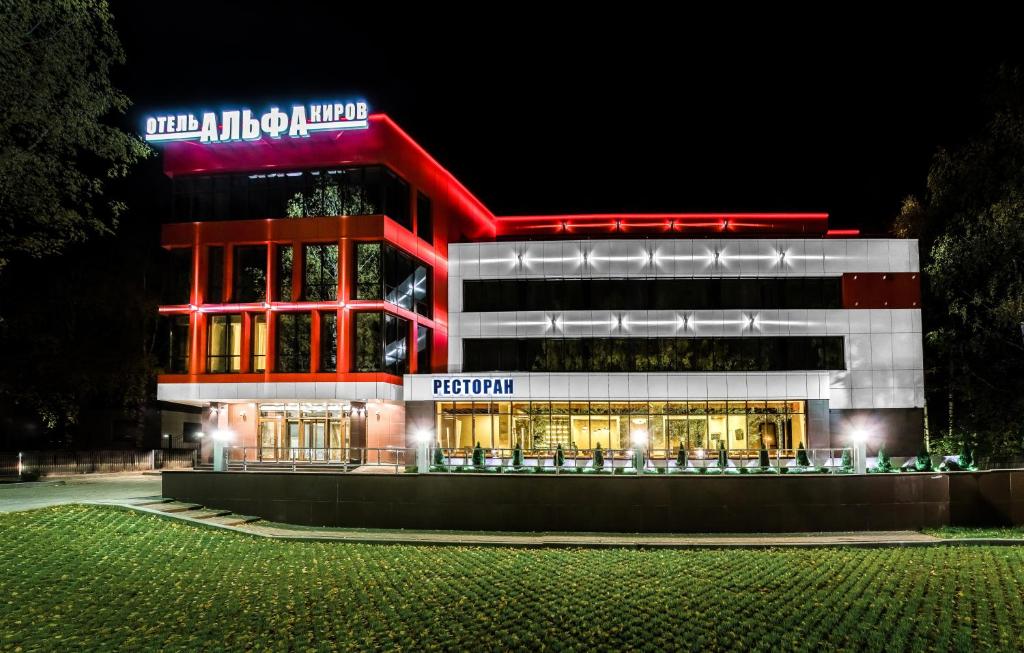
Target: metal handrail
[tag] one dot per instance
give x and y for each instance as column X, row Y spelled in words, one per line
column 538, row 459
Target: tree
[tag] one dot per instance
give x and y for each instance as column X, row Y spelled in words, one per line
column 883, row 463
column 559, row 456
column 846, row 463
column 681, row 460
column 517, row 455
column 723, row 455
column 56, row 153
column 763, row 461
column 970, row 223
column 478, row 456
column 923, row 463
column 598, row 457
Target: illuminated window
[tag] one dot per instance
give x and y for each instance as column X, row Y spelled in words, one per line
column 259, row 343
column 224, row 344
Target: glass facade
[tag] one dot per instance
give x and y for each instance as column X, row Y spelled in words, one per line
column 380, row 343
column 249, row 282
column 383, row 272
column 367, row 190
column 291, row 340
column 313, row 432
column 580, row 426
column 751, row 354
column 651, row 294
column 320, row 272
column 224, row 344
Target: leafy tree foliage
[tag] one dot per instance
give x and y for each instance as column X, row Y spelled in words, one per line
column 970, row 223
column 56, row 153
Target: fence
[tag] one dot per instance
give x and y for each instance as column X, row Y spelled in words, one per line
column 46, row 463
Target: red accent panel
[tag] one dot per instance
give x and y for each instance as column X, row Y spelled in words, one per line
column 882, row 290
column 667, row 224
column 832, row 233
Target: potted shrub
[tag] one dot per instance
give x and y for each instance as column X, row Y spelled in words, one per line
column 763, row 461
column 723, row 456
column 479, row 462
column 598, row 458
column 801, row 457
column 883, row 464
column 518, row 461
column 681, row 459
column 559, row 456
column 923, row 463
column 846, row 464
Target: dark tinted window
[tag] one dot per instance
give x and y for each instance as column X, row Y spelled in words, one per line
column 320, row 272
column 422, row 349
column 176, row 284
column 381, row 343
column 653, row 354
column 249, row 283
column 292, row 342
column 172, row 343
column 385, row 272
column 214, row 275
column 328, row 342
column 366, row 190
column 424, row 218
column 650, row 294
column 283, row 272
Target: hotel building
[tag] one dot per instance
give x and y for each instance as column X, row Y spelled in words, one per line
column 337, row 292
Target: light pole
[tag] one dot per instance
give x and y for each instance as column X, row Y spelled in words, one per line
column 860, row 451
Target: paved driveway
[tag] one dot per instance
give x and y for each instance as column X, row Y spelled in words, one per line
column 71, row 489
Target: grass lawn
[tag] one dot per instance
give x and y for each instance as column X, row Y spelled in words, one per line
column 98, row 578
column 1006, row 533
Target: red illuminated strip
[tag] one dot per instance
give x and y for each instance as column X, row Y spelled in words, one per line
column 843, row 232
column 664, row 216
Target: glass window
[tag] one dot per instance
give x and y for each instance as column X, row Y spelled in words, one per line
column 224, row 344
column 396, row 333
column 772, row 353
column 320, row 272
column 176, row 284
column 650, row 294
column 259, row 343
column 383, row 272
column 369, row 342
column 328, row 342
column 423, row 349
column 369, row 277
column 214, row 275
column 424, row 218
column 283, row 272
column 249, row 283
column 172, row 343
column 292, row 333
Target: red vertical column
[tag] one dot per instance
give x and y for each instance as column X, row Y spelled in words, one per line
column 271, row 272
column 246, row 349
column 411, row 353
column 229, row 276
column 345, row 273
column 271, row 342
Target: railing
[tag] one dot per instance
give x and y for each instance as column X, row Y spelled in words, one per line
column 345, row 459
column 454, row 460
column 45, row 463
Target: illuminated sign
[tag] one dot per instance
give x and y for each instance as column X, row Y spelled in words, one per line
column 244, row 125
column 474, row 387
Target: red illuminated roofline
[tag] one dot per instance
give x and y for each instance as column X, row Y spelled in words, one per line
column 629, row 217
column 386, row 119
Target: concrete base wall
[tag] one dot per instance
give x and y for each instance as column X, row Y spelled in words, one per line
column 583, row 503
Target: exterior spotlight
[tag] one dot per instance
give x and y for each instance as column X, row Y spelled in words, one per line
column 859, row 436
column 200, row 434
column 640, row 437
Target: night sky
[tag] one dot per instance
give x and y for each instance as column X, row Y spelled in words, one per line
column 627, row 112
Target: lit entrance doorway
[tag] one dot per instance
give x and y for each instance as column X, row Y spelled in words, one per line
column 305, row 432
